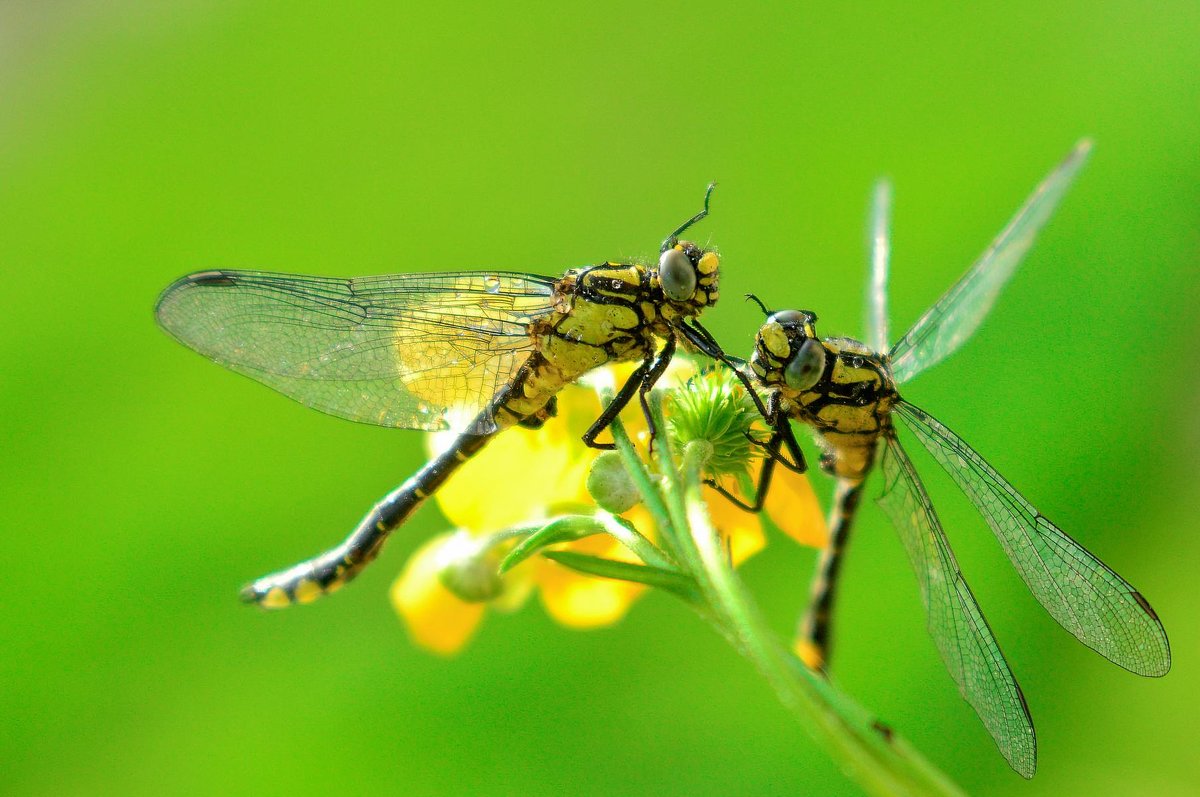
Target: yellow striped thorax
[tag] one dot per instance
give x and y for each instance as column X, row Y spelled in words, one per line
column 608, row 313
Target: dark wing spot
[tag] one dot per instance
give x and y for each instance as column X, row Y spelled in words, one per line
column 211, row 278
column 1145, row 604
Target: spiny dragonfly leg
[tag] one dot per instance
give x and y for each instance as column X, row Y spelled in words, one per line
column 781, row 437
column 640, row 382
column 815, row 633
column 652, row 375
column 775, row 417
column 764, row 478
column 618, row 403
column 673, row 238
column 707, row 345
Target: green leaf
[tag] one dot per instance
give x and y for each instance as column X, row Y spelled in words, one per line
column 563, row 529
column 670, row 580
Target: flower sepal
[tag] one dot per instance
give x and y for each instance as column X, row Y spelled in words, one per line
column 670, row 580
column 468, row 566
column 567, row 528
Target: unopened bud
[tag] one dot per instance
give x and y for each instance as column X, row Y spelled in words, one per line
column 609, row 484
column 467, row 566
column 715, row 408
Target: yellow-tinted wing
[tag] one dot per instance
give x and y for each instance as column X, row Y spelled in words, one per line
column 414, row 351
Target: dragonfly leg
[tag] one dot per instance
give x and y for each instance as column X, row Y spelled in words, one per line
column 641, row 381
column 782, row 436
column 815, row 633
column 712, row 348
column 764, row 479
column 618, row 403
column 707, row 345
column 776, row 455
column 783, row 428
column 673, row 238
column 652, row 375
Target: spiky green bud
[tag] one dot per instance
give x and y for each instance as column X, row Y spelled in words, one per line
column 714, row 407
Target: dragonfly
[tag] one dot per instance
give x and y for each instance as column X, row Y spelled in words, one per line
column 472, row 352
column 846, row 391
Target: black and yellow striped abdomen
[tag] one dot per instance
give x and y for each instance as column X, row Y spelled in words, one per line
column 331, row 570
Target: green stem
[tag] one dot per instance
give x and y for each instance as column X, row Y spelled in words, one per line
column 879, row 761
column 670, row 580
column 628, row 535
column 642, row 479
column 664, row 453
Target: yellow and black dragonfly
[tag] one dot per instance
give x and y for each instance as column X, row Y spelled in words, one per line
column 474, row 352
column 846, row 392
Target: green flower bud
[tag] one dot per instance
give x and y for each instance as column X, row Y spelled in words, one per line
column 609, row 484
column 468, row 567
column 714, row 407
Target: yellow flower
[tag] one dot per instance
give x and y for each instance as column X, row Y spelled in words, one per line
column 523, row 476
column 437, row 619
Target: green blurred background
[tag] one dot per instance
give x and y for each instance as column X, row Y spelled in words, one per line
column 141, row 485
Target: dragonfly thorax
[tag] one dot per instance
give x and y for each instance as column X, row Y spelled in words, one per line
column 608, row 313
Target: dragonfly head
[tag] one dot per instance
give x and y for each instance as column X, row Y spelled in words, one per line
column 787, row 351
column 687, row 276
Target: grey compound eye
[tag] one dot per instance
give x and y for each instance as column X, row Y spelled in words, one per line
column 806, row 367
column 677, row 275
column 794, row 317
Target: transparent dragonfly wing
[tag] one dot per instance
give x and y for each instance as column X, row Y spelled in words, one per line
column 881, row 250
column 1078, row 590
column 956, row 623
column 413, row 351
column 961, row 310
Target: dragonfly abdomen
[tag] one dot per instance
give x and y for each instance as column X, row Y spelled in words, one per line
column 330, row 571
column 814, row 634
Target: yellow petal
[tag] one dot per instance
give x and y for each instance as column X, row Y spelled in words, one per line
column 436, row 618
column 579, row 601
column 523, row 473
column 741, row 528
column 793, row 507
column 495, row 488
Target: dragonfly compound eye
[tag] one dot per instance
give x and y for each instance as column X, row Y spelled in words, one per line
column 806, row 368
column 796, row 318
column 677, row 275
